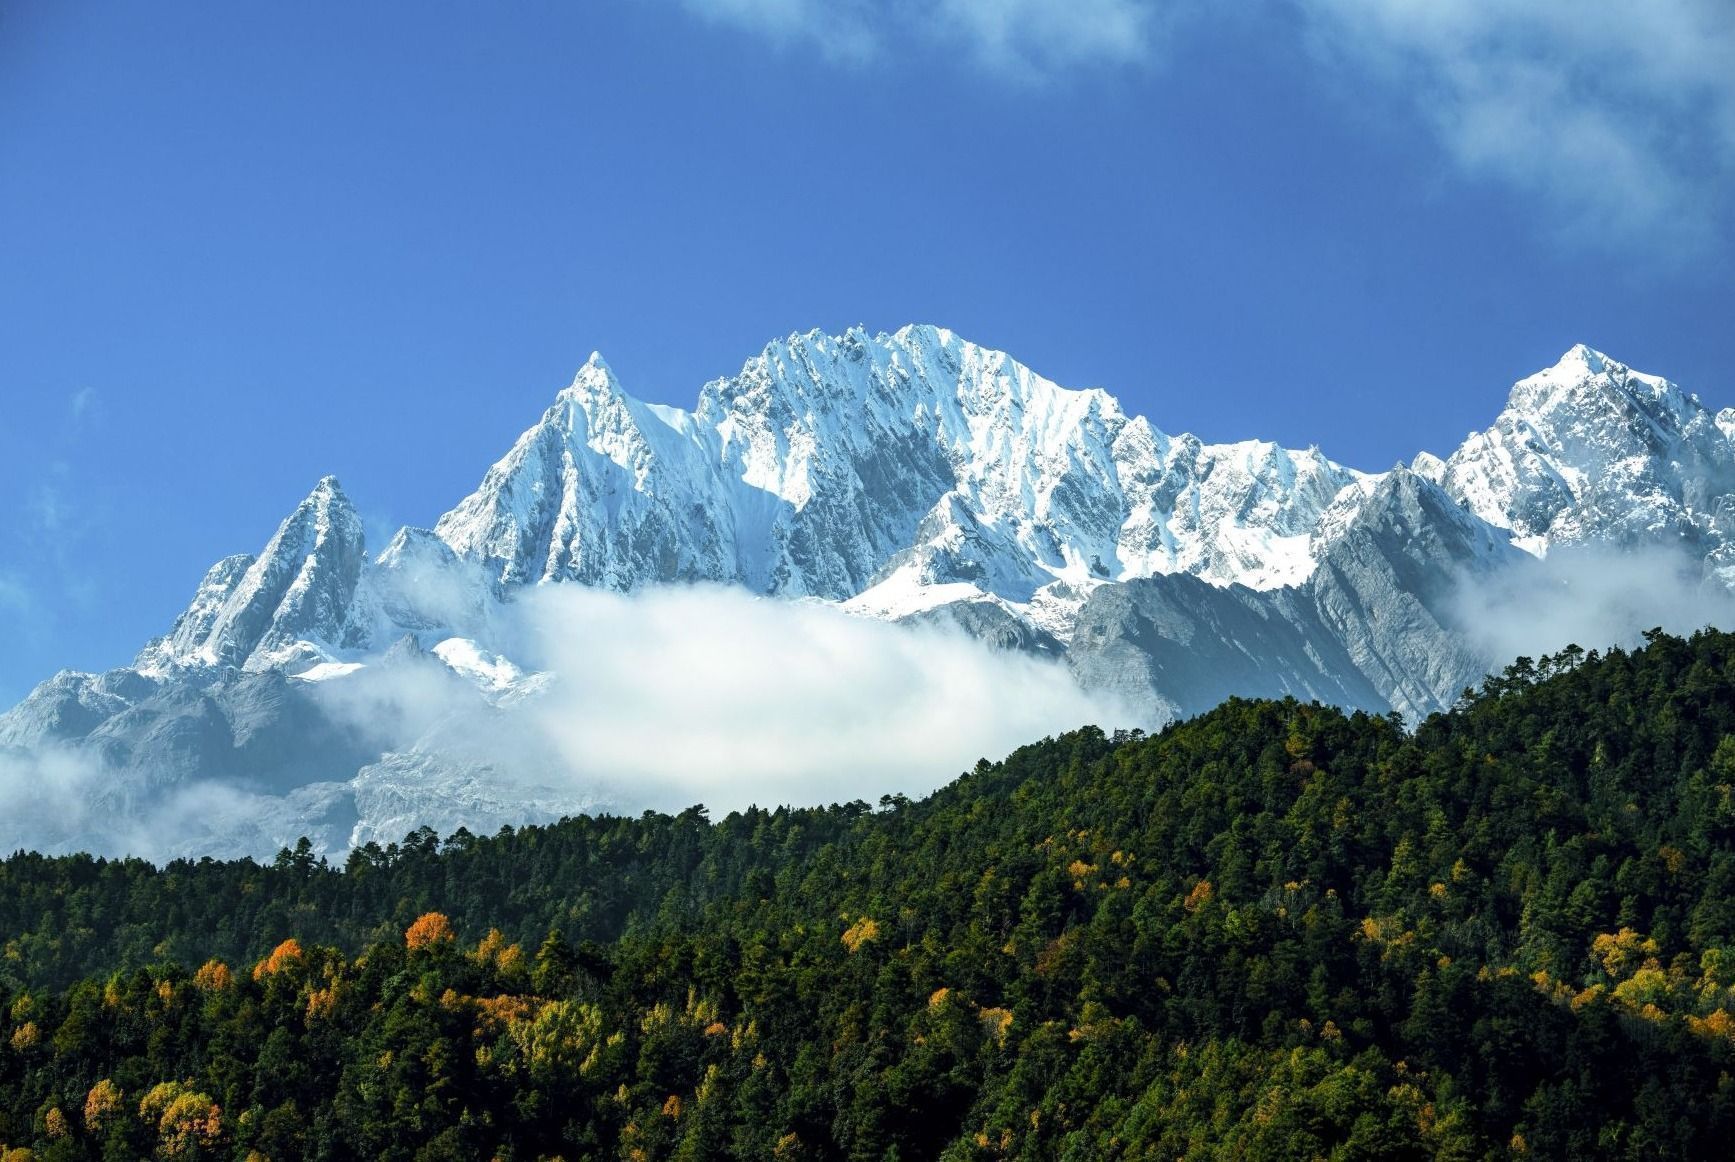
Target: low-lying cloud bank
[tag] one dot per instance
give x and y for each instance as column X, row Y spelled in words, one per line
column 658, row 700
column 674, row 697
column 687, row 695
column 1590, row 597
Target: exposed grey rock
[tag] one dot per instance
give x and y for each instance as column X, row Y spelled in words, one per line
column 1390, row 590
column 1181, row 646
column 70, row 705
column 989, row 622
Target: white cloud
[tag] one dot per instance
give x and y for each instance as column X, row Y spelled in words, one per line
column 1617, row 117
column 663, row 699
column 701, row 694
column 844, row 30
column 1620, row 114
column 64, row 799
column 1050, row 35
column 677, row 696
column 688, row 695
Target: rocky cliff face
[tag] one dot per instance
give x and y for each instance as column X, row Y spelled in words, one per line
column 911, row 477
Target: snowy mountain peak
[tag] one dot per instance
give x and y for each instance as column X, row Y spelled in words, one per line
column 596, row 377
column 898, row 472
column 1581, row 355
column 327, row 510
column 1590, row 449
column 827, row 460
column 327, row 492
column 290, row 602
column 1586, row 377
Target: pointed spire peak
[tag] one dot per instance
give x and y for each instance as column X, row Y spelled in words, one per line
column 1580, row 355
column 1584, row 366
column 328, row 493
column 327, row 506
column 596, row 375
column 1586, row 383
column 1577, row 367
column 595, row 381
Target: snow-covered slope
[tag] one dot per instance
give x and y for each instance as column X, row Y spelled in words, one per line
column 911, row 477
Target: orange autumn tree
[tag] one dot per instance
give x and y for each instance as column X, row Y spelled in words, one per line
column 284, row 955
column 429, row 930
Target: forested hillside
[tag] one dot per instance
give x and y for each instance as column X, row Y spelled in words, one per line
column 1272, row 931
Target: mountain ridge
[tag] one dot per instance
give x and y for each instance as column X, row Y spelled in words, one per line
column 910, row 477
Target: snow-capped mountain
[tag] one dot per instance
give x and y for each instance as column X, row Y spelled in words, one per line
column 909, row 477
column 895, row 473
column 264, row 612
column 832, row 467
column 1591, row 450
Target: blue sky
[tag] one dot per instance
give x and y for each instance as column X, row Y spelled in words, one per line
column 244, row 245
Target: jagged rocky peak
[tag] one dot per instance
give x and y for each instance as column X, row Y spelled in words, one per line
column 290, row 601
column 1590, row 383
column 1590, row 449
column 816, row 466
column 604, row 490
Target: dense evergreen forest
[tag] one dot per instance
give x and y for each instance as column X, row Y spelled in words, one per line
column 1272, row 931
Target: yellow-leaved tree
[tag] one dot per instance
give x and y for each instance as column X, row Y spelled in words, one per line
column 101, row 1106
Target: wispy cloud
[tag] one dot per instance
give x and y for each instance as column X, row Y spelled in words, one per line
column 1620, row 114
column 58, row 522
column 842, row 30
column 83, row 405
column 46, row 504
column 1044, row 36
column 15, row 596
column 1590, row 597
column 1021, row 39
column 1618, row 119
